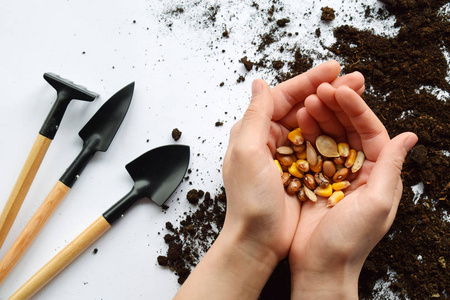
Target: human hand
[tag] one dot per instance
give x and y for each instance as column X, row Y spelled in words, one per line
column 331, row 245
column 260, row 220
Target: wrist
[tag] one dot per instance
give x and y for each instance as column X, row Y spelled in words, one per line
column 231, row 269
column 331, row 284
column 251, row 263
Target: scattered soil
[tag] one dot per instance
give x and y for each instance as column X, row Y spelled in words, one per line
column 327, row 14
column 176, row 134
column 190, row 241
column 403, row 74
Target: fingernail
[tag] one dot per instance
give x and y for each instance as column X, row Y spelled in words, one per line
column 256, row 87
column 410, row 141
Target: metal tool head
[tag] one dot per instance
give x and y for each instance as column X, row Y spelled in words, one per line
column 66, row 91
column 72, row 90
column 102, row 127
column 158, row 172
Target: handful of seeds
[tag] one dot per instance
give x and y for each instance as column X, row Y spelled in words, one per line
column 308, row 173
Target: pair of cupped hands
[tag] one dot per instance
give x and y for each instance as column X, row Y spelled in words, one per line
column 326, row 247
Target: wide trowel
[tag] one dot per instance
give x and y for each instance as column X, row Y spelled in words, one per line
column 156, row 174
column 66, row 91
column 97, row 135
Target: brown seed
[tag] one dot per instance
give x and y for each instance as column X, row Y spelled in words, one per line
column 301, row 195
column 327, row 146
column 303, row 165
column 340, row 175
column 311, row 155
column 285, row 160
column 322, row 180
column 285, row 178
column 294, row 186
column 309, row 181
column 310, row 194
column 285, row 150
column 329, row 168
column 299, row 148
column 339, row 160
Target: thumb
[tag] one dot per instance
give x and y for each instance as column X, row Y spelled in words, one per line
column 255, row 126
column 385, row 176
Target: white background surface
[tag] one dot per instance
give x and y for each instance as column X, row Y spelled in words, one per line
column 104, row 45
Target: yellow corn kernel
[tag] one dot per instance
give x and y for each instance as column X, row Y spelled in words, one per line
column 303, row 165
column 324, row 191
column 335, row 198
column 301, row 154
column 343, row 149
column 277, row 163
column 318, row 167
column 341, row 185
column 294, row 171
column 296, row 137
column 350, row 158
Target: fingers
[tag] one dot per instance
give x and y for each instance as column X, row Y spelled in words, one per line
column 364, row 129
column 354, row 80
column 291, row 92
column 310, row 128
column 384, row 181
column 326, row 118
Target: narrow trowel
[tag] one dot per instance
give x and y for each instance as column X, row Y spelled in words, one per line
column 156, row 174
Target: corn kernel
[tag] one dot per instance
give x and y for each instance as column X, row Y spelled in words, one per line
column 341, row 185
column 303, row 165
column 324, row 191
column 350, row 158
column 294, row 171
column 301, row 154
column 277, row 163
column 296, row 136
column 318, row 167
column 335, row 198
column 344, row 149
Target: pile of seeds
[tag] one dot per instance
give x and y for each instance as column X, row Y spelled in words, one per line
column 307, row 174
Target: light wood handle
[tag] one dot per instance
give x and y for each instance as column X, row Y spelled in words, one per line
column 32, row 228
column 62, row 260
column 22, row 185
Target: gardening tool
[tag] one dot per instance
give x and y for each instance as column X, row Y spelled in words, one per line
column 156, row 175
column 66, row 91
column 97, row 135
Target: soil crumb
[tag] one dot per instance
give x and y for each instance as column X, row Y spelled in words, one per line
column 176, row 134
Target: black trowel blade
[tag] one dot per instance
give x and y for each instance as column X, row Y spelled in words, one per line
column 160, row 170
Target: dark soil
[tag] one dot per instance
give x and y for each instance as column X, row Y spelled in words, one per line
column 176, row 134
column 413, row 255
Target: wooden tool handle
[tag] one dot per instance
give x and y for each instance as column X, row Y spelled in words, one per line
column 22, row 185
column 62, row 260
column 32, row 228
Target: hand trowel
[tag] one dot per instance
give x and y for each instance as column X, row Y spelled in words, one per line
column 156, row 174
